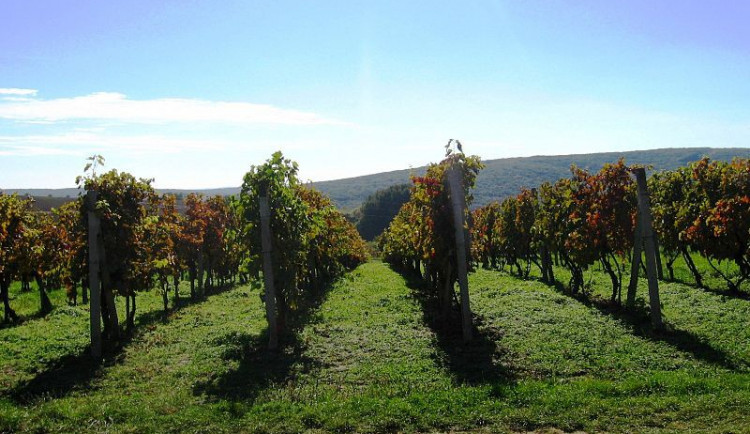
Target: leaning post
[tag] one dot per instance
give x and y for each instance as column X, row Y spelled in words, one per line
column 644, row 212
column 94, row 227
column 266, row 247
column 459, row 222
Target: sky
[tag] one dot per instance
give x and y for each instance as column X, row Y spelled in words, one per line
column 193, row 93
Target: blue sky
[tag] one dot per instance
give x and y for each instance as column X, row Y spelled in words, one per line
column 193, row 93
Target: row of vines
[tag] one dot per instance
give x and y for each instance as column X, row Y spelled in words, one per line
column 421, row 238
column 149, row 241
column 578, row 222
column 700, row 209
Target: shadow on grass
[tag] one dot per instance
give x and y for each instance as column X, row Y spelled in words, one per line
column 75, row 371
column 26, row 318
column 476, row 362
column 23, row 319
column 640, row 320
column 729, row 293
column 259, row 368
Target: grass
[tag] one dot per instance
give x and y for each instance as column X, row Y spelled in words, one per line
column 369, row 357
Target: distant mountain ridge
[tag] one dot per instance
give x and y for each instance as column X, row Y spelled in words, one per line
column 499, row 179
column 505, row 176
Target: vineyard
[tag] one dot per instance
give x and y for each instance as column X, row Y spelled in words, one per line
column 263, row 311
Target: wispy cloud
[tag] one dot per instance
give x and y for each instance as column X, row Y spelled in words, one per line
column 17, row 91
column 112, row 106
column 84, row 143
column 34, row 151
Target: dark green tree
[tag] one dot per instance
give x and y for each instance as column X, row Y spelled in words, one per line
column 379, row 209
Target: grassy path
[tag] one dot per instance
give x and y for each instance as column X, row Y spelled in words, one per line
column 584, row 366
column 369, row 358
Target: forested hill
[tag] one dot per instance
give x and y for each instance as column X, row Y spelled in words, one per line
column 501, row 178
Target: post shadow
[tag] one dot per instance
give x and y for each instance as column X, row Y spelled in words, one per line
column 475, row 362
column 638, row 318
column 25, row 319
column 259, row 368
column 729, row 293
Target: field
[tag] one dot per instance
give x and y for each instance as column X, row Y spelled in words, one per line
column 368, row 357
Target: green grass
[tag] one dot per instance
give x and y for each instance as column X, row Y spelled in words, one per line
column 369, row 357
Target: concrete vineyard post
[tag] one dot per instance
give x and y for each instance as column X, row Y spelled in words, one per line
column 644, row 213
column 265, row 240
column 459, row 221
column 94, row 228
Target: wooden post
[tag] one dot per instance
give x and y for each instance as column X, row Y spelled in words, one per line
column 548, row 275
column 201, row 293
column 659, row 268
column 95, row 299
column 113, row 321
column 644, row 212
column 459, row 222
column 636, row 263
column 266, row 247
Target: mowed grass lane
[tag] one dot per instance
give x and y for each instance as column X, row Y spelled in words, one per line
column 370, row 357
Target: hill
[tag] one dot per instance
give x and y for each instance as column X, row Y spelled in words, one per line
column 503, row 177
column 500, row 178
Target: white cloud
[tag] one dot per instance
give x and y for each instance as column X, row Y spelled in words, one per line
column 15, row 98
column 87, row 141
column 112, row 106
column 16, row 91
